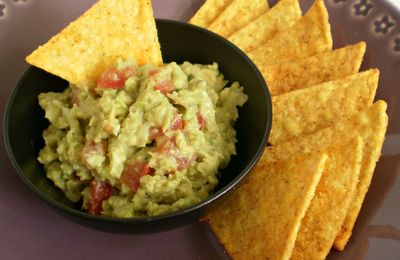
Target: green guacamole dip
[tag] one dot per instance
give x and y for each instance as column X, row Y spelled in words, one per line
column 146, row 141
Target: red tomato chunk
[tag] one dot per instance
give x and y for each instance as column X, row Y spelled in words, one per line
column 113, row 78
column 99, row 191
column 177, row 124
column 165, row 86
column 155, row 133
column 153, row 72
column 168, row 147
column 91, row 148
column 201, row 121
column 133, row 172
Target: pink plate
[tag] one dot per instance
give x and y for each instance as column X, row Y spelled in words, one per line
column 31, row 230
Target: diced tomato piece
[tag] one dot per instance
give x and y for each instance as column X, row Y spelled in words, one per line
column 99, row 191
column 133, row 172
column 91, row 148
column 165, row 145
column 165, row 86
column 183, row 162
column 113, row 78
column 153, row 72
column 155, row 133
column 177, row 124
column 128, row 72
column 168, row 147
column 201, row 120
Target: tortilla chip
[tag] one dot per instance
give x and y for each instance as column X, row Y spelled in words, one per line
column 284, row 14
column 95, row 41
column 305, row 111
column 332, row 198
column 309, row 36
column 208, row 12
column 371, row 125
column 238, row 14
column 260, row 220
column 373, row 146
column 369, row 122
column 314, row 70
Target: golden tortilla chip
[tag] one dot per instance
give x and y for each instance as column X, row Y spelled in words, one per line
column 260, row 220
column 371, row 121
column 309, row 36
column 305, row 111
column 374, row 137
column 284, row 14
column 328, row 208
column 208, row 12
column 316, row 69
column 371, row 125
column 236, row 15
column 107, row 31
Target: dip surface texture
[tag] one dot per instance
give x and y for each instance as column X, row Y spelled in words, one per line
column 146, row 141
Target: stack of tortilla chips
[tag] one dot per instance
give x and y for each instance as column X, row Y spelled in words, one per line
column 305, row 193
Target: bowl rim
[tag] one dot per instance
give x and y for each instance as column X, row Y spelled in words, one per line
column 146, row 219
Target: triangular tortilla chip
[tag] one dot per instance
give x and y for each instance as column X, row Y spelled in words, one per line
column 375, row 136
column 314, row 70
column 305, row 111
column 260, row 220
column 284, row 14
column 208, row 12
column 328, row 208
column 236, row 15
column 107, row 31
column 371, row 125
column 309, row 36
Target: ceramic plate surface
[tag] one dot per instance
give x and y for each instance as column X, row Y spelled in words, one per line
column 31, row 230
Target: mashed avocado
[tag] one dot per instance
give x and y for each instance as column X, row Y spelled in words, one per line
column 146, row 141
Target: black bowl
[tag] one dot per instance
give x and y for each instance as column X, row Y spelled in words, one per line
column 25, row 122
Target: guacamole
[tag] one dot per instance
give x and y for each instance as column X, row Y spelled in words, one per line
column 146, row 141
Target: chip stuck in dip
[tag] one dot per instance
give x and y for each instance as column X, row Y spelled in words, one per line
column 146, row 141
